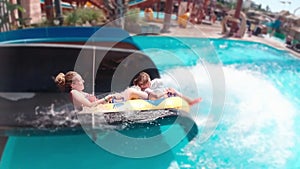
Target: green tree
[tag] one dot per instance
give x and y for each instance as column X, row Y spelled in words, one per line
column 267, row 8
column 259, row 7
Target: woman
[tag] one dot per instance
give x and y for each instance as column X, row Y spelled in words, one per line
column 141, row 90
column 72, row 83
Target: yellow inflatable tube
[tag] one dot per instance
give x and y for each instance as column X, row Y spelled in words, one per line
column 140, row 105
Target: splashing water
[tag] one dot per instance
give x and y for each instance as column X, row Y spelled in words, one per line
column 256, row 130
column 51, row 118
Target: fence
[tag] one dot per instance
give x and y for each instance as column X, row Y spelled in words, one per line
column 4, row 16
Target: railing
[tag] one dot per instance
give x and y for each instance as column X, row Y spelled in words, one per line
column 296, row 10
column 4, row 13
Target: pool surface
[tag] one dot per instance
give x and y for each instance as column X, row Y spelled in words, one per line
column 258, row 128
column 158, row 15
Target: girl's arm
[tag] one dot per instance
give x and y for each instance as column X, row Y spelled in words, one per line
column 79, row 99
column 154, row 95
column 133, row 93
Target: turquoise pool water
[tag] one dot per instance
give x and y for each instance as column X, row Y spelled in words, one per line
column 158, row 15
column 259, row 126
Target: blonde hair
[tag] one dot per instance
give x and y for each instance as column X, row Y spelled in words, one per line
column 142, row 78
column 64, row 81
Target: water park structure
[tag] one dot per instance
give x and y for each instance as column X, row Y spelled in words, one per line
column 32, row 105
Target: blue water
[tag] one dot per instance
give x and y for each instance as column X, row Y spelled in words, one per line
column 158, row 15
column 258, row 128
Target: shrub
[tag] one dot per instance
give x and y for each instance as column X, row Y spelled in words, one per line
column 83, row 15
column 133, row 15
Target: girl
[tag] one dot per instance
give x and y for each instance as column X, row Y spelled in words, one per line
column 141, row 90
column 73, row 83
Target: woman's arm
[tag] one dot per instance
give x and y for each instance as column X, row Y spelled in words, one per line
column 80, row 100
column 154, row 95
column 133, row 93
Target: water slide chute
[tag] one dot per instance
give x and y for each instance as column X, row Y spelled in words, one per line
column 30, row 101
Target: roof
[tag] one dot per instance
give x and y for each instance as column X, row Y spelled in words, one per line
column 292, row 17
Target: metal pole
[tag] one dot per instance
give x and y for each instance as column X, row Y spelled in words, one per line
column 94, row 73
column 58, row 12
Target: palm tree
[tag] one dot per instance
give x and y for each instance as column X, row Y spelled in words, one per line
column 167, row 19
column 49, row 10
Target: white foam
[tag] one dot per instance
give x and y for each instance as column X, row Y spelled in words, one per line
column 257, row 123
column 259, row 117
